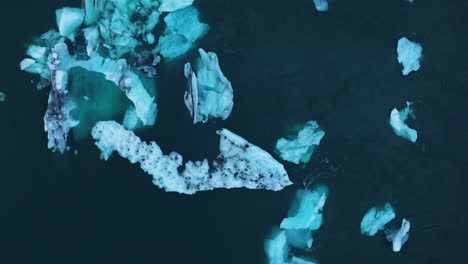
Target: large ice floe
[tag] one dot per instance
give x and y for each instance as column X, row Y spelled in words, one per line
column 113, row 38
column 399, row 237
column 209, row 94
column 239, row 164
column 299, row 148
column 321, row 5
column 304, row 217
column 376, row 218
column 398, row 122
column 409, row 55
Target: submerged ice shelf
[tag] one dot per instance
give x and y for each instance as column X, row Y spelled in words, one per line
column 398, row 122
column 376, row 218
column 209, row 94
column 239, row 164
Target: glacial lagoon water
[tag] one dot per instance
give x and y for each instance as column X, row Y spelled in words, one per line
column 288, row 64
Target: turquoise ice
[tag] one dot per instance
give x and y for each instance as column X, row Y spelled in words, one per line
column 173, row 5
column 69, row 20
column 2, row 96
column 299, row 149
column 409, row 55
column 400, row 236
column 398, row 123
column 240, row 164
column 276, row 248
column 376, row 218
column 321, row 5
column 209, row 94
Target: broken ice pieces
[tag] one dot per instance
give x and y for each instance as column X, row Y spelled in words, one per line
column 209, row 94
column 69, row 20
column 376, row 218
column 173, row 5
column 409, row 55
column 398, row 123
column 239, row 164
column 321, row 5
column 400, row 236
column 300, row 148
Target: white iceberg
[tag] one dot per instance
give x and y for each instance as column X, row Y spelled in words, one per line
column 321, row 5
column 69, row 20
column 239, row 164
column 300, row 149
column 209, row 94
column 398, row 123
column 409, row 55
column 400, row 236
column 376, row 218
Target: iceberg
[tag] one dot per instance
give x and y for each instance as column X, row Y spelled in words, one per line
column 400, row 236
column 69, row 20
column 321, row 5
column 183, row 29
column 173, row 5
column 209, row 94
column 239, row 164
column 398, row 123
column 300, row 149
column 409, row 55
column 2, row 97
column 276, row 248
column 376, row 218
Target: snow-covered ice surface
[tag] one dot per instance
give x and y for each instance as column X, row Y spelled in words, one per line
column 300, row 148
column 409, row 55
column 376, row 218
column 209, row 94
column 398, row 122
column 400, row 236
column 239, row 164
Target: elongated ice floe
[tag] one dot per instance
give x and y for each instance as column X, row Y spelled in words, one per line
column 400, row 236
column 321, row 5
column 209, row 94
column 239, row 164
column 376, row 218
column 398, row 123
column 300, row 148
column 409, row 55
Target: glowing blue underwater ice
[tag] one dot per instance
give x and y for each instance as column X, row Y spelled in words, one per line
column 2, row 97
column 400, row 236
column 321, row 5
column 239, row 164
column 376, row 218
column 209, row 94
column 409, row 55
column 300, row 149
column 398, row 123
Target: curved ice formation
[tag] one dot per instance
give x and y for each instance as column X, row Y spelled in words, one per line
column 183, row 29
column 400, row 236
column 239, row 164
column 209, row 94
column 376, row 218
column 321, row 5
column 301, row 148
column 398, row 123
column 409, row 55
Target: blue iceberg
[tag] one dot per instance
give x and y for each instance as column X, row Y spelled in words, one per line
column 276, row 247
column 173, row 5
column 398, row 123
column 409, row 55
column 376, row 218
column 300, row 148
column 400, row 236
column 239, row 164
column 209, row 94
column 2, row 97
column 69, row 20
column 321, row 5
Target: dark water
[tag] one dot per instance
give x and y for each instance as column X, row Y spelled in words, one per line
column 288, row 64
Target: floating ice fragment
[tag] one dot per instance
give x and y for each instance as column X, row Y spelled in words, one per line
column 301, row 148
column 36, row 52
column 376, row 218
column 276, row 248
column 400, row 236
column 131, row 120
column 209, row 94
column 93, row 10
column 299, row 238
column 321, row 5
column 409, row 55
column 239, row 164
column 2, row 97
column 173, row 5
column 69, row 20
column 398, row 123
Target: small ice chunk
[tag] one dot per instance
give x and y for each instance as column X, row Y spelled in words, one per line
column 376, row 218
column 400, row 236
column 69, row 20
column 91, row 35
column 36, row 52
column 398, row 123
column 93, row 10
column 307, row 213
column 299, row 238
column 301, row 148
column 409, row 55
column 321, row 5
column 173, row 5
column 239, row 164
column 131, row 120
column 209, row 94
column 2, row 97
column 276, row 248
